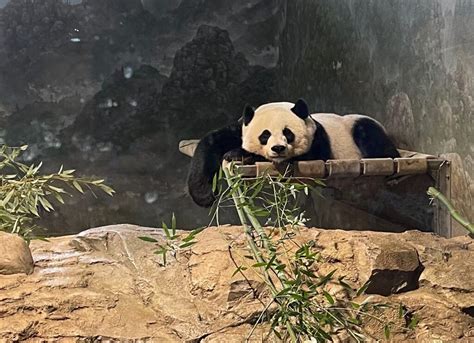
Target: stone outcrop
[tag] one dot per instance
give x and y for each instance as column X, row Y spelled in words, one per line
column 394, row 268
column 107, row 284
column 15, row 256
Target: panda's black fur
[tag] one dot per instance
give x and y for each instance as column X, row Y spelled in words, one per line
column 226, row 143
column 207, row 159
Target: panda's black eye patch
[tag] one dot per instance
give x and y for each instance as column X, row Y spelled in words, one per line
column 264, row 136
column 289, row 135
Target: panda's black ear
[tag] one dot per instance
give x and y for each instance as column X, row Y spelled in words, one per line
column 249, row 111
column 301, row 109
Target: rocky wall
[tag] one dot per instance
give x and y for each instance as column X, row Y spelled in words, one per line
column 110, row 87
column 407, row 63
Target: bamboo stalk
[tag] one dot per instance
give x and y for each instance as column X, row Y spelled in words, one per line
column 433, row 192
column 248, row 232
column 244, row 211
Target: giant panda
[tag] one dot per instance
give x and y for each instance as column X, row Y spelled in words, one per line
column 284, row 132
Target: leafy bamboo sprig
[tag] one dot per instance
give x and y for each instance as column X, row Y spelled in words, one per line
column 173, row 241
column 306, row 309
column 25, row 192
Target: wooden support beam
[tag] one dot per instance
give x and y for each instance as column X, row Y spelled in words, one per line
column 343, row 168
column 377, row 166
column 316, row 169
column 266, row 168
column 411, row 166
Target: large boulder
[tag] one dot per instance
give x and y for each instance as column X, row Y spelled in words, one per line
column 15, row 256
column 105, row 283
column 395, row 268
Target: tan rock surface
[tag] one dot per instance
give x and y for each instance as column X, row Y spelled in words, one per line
column 106, row 284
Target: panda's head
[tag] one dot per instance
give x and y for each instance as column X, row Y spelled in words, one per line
column 278, row 131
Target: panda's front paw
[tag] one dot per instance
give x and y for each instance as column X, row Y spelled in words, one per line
column 242, row 155
column 235, row 155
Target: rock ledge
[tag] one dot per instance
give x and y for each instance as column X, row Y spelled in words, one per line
column 105, row 283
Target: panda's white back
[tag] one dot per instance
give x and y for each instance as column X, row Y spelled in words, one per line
column 339, row 130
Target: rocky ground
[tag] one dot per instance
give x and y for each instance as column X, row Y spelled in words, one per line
column 106, row 284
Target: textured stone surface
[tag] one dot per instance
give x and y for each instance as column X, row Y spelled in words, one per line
column 107, row 283
column 15, row 256
column 408, row 63
column 394, row 268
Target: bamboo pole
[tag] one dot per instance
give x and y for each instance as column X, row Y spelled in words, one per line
column 435, row 194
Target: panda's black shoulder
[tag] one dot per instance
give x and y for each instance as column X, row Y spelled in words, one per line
column 320, row 147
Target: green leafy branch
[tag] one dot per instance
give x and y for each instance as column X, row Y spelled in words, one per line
column 268, row 209
column 24, row 191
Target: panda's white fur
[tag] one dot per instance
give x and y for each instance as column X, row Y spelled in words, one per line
column 274, row 117
column 339, row 130
column 283, row 131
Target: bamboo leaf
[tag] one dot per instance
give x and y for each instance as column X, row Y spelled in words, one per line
column 68, row 172
column 192, row 234
column 58, row 197
column 167, row 230
column 173, row 224
column 46, row 204
column 56, row 189
column 187, row 244
column 238, row 270
column 325, row 279
column 8, row 197
column 413, row 322
column 363, row 288
column 329, row 298
column 345, row 285
column 147, row 239
column 270, row 262
column 401, row 311
column 386, row 331
column 214, row 183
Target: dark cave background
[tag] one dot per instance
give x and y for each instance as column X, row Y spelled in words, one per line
column 110, row 87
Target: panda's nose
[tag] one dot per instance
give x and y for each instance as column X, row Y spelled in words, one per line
column 278, row 148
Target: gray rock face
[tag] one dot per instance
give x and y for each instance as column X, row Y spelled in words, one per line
column 403, row 62
column 15, row 256
column 400, row 122
column 129, row 131
column 105, row 283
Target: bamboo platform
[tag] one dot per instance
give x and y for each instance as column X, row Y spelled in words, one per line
column 381, row 194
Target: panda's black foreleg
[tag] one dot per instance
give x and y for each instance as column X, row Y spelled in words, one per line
column 207, row 160
column 372, row 140
column 243, row 156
